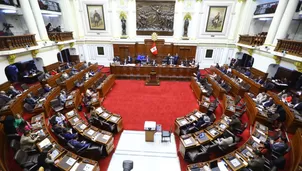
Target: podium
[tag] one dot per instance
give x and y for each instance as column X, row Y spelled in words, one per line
column 150, row 129
column 152, row 80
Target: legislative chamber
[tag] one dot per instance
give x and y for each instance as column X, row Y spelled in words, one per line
column 142, row 85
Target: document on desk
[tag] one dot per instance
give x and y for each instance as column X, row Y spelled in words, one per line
column 192, row 117
column 54, row 154
column 70, row 113
column 113, row 118
column 188, row 141
column 70, row 161
column 106, row 137
column 44, row 143
column 213, row 131
column 235, row 162
column 222, row 166
column 256, row 139
column 83, row 126
column 99, row 110
column 76, row 119
column 199, row 114
column 88, row 167
column 90, row 132
column 183, row 121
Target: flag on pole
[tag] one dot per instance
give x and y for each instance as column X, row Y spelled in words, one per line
column 153, row 49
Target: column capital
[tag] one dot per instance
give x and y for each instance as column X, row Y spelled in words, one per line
column 277, row 59
column 298, row 66
column 250, row 51
column 11, row 58
column 34, row 53
column 60, row 47
column 239, row 48
column 71, row 44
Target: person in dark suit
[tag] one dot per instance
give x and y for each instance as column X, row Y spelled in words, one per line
column 12, row 92
column 247, row 73
column 268, row 103
column 260, row 80
column 298, row 106
column 79, row 145
column 57, row 128
column 129, row 60
column 30, row 100
column 280, row 145
column 4, row 97
column 47, row 88
column 256, row 163
column 235, row 123
column 68, row 135
column 176, row 57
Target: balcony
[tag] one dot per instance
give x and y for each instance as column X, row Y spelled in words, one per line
column 60, row 36
column 17, row 42
column 257, row 40
column 290, row 46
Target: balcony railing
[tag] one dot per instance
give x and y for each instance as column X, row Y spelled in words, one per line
column 60, row 36
column 17, row 42
column 251, row 40
column 290, row 46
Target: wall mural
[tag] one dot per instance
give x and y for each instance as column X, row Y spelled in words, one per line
column 96, row 17
column 216, row 18
column 155, row 16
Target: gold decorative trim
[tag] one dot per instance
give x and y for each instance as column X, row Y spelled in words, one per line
column 239, row 48
column 61, row 47
column 71, row 44
column 11, row 58
column 34, row 53
column 277, row 59
column 298, row 66
column 250, row 51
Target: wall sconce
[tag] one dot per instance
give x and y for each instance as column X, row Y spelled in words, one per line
column 27, row 47
column 284, row 52
column 45, row 43
column 267, row 48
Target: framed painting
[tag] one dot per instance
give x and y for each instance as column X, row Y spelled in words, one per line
column 96, row 17
column 216, row 18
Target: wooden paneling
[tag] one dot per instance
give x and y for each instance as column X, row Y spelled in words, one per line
column 51, row 67
column 258, row 73
column 184, row 52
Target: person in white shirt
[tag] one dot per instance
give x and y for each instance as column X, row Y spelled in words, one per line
column 65, row 75
column 60, row 118
column 225, row 142
column 259, row 97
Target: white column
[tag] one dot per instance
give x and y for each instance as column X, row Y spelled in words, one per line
column 275, row 22
column 79, row 22
column 66, row 15
column 116, row 25
column 29, row 19
column 39, row 19
column 247, row 16
column 235, row 21
column 286, row 20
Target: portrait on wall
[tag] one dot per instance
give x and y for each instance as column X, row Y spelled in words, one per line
column 216, row 18
column 96, row 17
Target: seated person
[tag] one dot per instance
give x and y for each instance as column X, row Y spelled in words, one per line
column 129, row 60
column 79, row 144
column 65, row 76
column 229, row 70
column 12, row 92
column 47, row 75
column 5, row 98
column 9, row 125
column 261, row 148
column 68, row 135
column 89, row 63
column 85, row 65
column 280, row 145
column 214, row 75
column 261, row 97
column 89, row 93
column 247, row 73
column 235, row 123
column 298, row 106
column 257, row 162
column 193, row 62
column 91, row 73
column 93, row 112
column 17, row 121
column 74, row 71
column 273, row 108
column 47, row 88
column 60, row 118
column 30, row 100
column 268, row 103
column 68, row 65
column 46, row 161
column 217, row 66
column 259, row 80
column 23, row 127
column 63, row 97
column 28, row 141
column 287, row 98
column 198, row 75
column 268, row 85
column 176, row 57
column 223, row 69
column 225, row 142
column 57, row 128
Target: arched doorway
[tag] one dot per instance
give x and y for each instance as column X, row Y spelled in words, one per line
column 68, row 55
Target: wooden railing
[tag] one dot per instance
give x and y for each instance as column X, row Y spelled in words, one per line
column 17, row 42
column 60, row 36
column 292, row 47
column 251, row 40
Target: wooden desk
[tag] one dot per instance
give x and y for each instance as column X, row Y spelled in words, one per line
column 228, row 105
column 75, row 100
column 204, row 139
column 116, row 119
column 187, row 142
column 196, row 88
column 236, row 88
column 255, row 87
column 218, row 91
column 107, row 84
column 213, row 131
column 88, row 83
column 52, row 80
column 163, row 72
column 234, row 161
column 52, row 95
column 67, row 161
column 252, row 111
column 180, row 122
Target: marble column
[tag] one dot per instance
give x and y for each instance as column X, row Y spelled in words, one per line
column 79, row 22
column 275, row 22
column 247, row 16
column 39, row 19
column 66, row 15
column 235, row 21
column 29, row 19
column 286, row 20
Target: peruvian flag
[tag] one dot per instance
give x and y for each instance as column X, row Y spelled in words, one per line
column 154, row 49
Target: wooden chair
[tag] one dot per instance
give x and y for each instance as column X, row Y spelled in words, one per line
column 166, row 134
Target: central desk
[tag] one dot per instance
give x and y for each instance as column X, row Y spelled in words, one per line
column 142, row 72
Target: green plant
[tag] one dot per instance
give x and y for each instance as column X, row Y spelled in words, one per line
column 123, row 15
column 188, row 16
